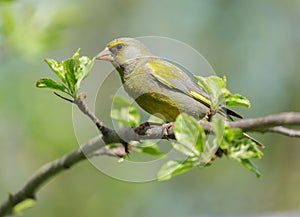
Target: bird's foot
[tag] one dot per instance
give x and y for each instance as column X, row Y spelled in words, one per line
column 142, row 128
column 167, row 127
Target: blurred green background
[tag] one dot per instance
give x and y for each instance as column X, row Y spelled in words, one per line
column 256, row 44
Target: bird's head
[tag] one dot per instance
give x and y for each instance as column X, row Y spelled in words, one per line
column 123, row 50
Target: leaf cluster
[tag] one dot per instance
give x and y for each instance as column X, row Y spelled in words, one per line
column 198, row 147
column 71, row 73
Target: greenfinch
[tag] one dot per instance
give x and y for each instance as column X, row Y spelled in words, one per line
column 159, row 87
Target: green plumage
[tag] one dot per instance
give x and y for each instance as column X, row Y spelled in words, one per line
column 158, row 86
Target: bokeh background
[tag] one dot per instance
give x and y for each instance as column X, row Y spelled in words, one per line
column 256, row 44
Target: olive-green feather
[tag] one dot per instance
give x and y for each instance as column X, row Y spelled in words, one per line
column 175, row 78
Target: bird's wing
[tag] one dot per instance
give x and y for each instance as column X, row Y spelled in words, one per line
column 173, row 77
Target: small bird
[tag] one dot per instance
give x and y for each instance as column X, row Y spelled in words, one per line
column 158, row 86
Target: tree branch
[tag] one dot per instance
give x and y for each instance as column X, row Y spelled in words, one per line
column 96, row 146
column 276, row 123
column 285, row 131
column 263, row 123
column 84, row 108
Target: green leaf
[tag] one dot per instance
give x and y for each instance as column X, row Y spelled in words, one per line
column 49, row 83
column 57, row 68
column 240, row 147
column 150, row 148
column 183, row 149
column 189, row 133
column 85, row 65
column 26, row 204
column 173, row 167
column 215, row 87
column 76, row 64
column 69, row 67
column 71, row 72
column 218, row 126
column 124, row 112
column 232, row 135
column 250, row 166
column 191, row 141
column 237, row 100
column 243, row 151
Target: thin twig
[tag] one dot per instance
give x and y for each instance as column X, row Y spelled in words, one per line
column 276, row 123
column 262, row 123
column 285, row 131
column 85, row 109
column 64, row 98
column 79, row 101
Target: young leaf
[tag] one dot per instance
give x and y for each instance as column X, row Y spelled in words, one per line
column 218, row 126
column 237, row 100
column 172, row 168
column 241, row 148
column 188, row 132
column 183, row 149
column 69, row 67
column 70, row 71
column 214, row 86
column 49, row 83
column 85, row 65
column 250, row 166
column 124, row 112
column 148, row 147
column 57, row 68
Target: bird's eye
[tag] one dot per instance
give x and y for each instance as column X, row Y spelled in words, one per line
column 119, row 46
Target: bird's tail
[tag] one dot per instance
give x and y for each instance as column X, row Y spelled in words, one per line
column 229, row 113
column 254, row 140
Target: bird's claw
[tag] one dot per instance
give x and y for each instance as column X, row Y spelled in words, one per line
column 167, row 127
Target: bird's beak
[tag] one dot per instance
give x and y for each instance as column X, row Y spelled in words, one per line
column 105, row 55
